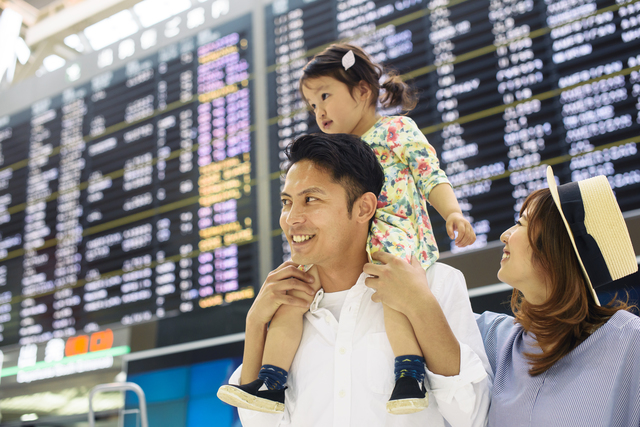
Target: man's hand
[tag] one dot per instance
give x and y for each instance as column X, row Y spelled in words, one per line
column 457, row 223
column 398, row 284
column 404, row 288
column 273, row 294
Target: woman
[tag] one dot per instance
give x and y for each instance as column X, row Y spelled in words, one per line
column 565, row 360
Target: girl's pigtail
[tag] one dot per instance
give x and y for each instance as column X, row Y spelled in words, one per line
column 397, row 92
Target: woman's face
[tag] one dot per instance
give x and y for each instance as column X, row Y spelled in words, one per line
column 516, row 266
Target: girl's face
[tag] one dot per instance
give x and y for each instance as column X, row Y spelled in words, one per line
column 517, row 268
column 336, row 109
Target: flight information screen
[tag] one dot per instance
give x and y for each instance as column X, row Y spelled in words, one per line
column 131, row 197
column 506, row 87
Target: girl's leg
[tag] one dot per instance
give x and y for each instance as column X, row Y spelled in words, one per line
column 285, row 329
column 266, row 393
column 400, row 333
column 284, row 335
column 408, row 394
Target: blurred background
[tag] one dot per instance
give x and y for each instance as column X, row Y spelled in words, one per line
column 141, row 144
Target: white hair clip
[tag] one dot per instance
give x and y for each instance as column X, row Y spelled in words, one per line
column 348, row 60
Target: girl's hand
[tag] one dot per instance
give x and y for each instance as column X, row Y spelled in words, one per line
column 457, row 223
column 274, row 292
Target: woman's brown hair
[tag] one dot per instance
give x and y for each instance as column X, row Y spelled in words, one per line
column 328, row 63
column 569, row 314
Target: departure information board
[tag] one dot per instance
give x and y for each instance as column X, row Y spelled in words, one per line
column 506, row 88
column 130, row 198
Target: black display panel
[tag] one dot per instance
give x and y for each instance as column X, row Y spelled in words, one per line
column 131, row 198
column 506, row 88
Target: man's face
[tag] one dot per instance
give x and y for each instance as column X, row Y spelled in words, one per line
column 315, row 218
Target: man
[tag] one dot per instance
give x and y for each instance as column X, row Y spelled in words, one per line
column 342, row 374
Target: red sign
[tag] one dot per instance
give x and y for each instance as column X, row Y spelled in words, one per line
column 101, row 340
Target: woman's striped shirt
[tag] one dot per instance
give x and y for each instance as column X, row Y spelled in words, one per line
column 597, row 384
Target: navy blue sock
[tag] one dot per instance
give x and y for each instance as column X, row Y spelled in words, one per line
column 273, row 377
column 410, row 366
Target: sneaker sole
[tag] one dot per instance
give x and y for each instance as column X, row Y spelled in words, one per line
column 241, row 399
column 407, row 406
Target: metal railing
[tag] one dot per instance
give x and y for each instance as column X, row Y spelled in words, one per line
column 142, row 405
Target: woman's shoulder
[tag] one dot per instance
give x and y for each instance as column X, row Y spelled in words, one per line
column 624, row 317
column 496, row 330
column 490, row 322
column 626, row 322
column 619, row 335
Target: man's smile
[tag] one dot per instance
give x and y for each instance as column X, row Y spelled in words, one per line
column 299, row 238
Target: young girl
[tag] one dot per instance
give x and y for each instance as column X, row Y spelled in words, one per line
column 341, row 86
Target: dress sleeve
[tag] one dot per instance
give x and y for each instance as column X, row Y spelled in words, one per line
column 494, row 329
column 412, row 148
column 255, row 418
column 463, row 399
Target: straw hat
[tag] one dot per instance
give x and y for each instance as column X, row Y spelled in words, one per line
column 597, row 229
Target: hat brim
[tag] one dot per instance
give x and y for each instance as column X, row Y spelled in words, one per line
column 553, row 187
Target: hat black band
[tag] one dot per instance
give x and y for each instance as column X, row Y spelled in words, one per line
column 590, row 254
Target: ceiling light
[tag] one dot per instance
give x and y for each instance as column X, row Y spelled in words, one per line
column 53, row 62
column 151, row 12
column 110, row 30
column 28, row 417
column 10, row 23
column 22, row 51
column 73, row 72
column 74, row 42
column 41, row 402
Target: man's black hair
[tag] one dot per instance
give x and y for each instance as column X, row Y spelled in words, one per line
column 350, row 161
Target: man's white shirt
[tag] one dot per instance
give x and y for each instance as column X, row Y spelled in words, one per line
column 342, row 374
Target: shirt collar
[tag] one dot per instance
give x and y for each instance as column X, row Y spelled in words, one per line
column 358, row 288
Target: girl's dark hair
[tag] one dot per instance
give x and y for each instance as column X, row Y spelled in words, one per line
column 328, row 63
column 570, row 314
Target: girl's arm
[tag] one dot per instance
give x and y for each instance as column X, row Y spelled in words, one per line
column 444, row 200
column 413, row 149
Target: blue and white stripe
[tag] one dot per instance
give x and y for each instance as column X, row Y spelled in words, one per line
column 597, row 384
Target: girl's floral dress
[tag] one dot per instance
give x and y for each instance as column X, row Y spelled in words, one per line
column 401, row 226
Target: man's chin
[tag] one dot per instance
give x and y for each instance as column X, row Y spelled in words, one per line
column 301, row 260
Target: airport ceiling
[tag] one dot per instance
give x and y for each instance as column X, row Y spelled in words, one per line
column 46, row 24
